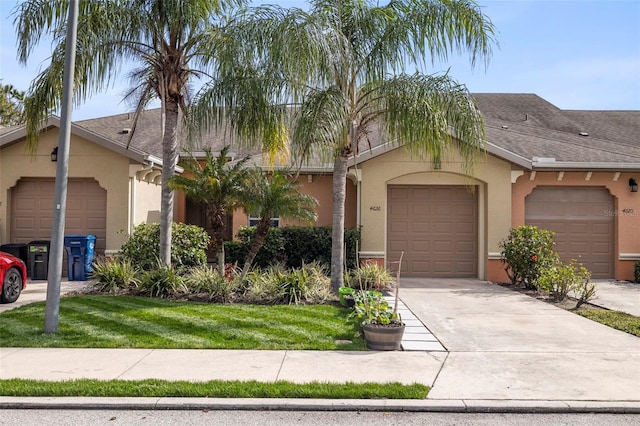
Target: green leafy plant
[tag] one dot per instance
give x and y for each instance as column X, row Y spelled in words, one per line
column 559, row 279
column 294, row 246
column 372, row 308
column 111, row 275
column 206, row 280
column 189, row 246
column 636, row 271
column 369, row 276
column 526, row 251
column 162, row 281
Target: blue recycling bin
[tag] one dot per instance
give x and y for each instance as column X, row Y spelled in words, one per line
column 80, row 249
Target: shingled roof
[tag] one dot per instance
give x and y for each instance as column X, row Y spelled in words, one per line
column 524, row 129
column 542, row 136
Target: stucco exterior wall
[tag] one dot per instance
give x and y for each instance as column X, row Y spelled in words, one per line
column 145, row 201
column 626, row 208
column 320, row 187
column 86, row 160
column 492, row 178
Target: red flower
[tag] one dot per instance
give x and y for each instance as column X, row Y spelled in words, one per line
column 534, row 257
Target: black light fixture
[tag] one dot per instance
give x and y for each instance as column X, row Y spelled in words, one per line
column 633, row 185
column 54, row 154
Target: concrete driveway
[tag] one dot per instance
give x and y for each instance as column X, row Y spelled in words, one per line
column 506, row 345
column 36, row 291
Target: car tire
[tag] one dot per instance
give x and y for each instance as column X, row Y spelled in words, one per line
column 12, row 286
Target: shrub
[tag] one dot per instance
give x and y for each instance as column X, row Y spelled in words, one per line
column 559, row 279
column 206, row 280
column 319, row 283
column 260, row 288
column 526, row 251
column 294, row 246
column 162, row 281
column 271, row 252
column 369, row 276
column 277, row 284
column 188, row 248
column 636, row 271
column 111, row 275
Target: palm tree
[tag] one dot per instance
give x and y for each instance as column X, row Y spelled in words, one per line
column 11, row 105
column 341, row 66
column 219, row 186
column 169, row 40
column 277, row 196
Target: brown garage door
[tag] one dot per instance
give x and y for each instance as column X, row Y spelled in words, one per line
column 436, row 227
column 578, row 217
column 32, row 208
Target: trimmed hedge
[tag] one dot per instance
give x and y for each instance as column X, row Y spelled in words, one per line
column 188, row 246
column 292, row 246
column 636, row 271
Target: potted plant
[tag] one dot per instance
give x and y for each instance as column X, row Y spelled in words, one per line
column 382, row 326
column 346, row 296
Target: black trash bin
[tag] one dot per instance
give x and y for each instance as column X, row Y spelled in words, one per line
column 18, row 250
column 79, row 250
column 39, row 259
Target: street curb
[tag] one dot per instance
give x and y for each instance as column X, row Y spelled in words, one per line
column 274, row 404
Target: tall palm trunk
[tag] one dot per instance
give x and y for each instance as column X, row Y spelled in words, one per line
column 169, row 161
column 337, row 235
column 262, row 231
column 216, row 217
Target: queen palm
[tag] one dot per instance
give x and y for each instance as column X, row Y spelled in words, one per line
column 168, row 40
column 217, row 184
column 274, row 195
column 341, row 66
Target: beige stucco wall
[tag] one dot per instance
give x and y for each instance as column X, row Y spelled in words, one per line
column 145, row 197
column 491, row 176
column 86, row 160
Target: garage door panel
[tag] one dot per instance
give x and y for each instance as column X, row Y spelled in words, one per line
column 465, row 247
column 601, row 228
column 576, row 215
column 32, row 210
column 444, row 217
column 420, row 227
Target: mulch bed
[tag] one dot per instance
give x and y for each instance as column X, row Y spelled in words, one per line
column 569, row 304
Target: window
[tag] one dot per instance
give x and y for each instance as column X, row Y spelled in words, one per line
column 275, row 221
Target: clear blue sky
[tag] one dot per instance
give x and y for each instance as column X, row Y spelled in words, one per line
column 577, row 54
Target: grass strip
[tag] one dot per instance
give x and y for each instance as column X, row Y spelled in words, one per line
column 101, row 321
column 614, row 319
column 211, row 389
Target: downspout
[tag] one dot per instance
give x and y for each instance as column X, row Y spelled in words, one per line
column 132, row 204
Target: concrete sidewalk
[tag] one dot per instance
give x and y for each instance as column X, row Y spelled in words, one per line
column 507, row 352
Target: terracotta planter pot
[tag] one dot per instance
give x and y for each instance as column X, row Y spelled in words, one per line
column 383, row 337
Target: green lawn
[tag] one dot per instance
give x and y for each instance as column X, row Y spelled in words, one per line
column 91, row 321
column 614, row 319
column 212, row 389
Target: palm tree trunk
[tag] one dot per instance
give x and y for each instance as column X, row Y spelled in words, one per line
column 169, row 160
column 258, row 240
column 337, row 235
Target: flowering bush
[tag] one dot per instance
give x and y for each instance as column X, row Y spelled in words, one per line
column 525, row 252
column 559, row 279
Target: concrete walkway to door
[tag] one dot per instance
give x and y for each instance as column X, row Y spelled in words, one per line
column 504, row 345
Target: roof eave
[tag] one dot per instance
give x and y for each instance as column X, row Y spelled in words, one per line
column 576, row 165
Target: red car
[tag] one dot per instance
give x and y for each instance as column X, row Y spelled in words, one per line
column 13, row 277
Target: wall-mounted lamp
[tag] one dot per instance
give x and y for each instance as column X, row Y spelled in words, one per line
column 633, row 185
column 54, row 154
